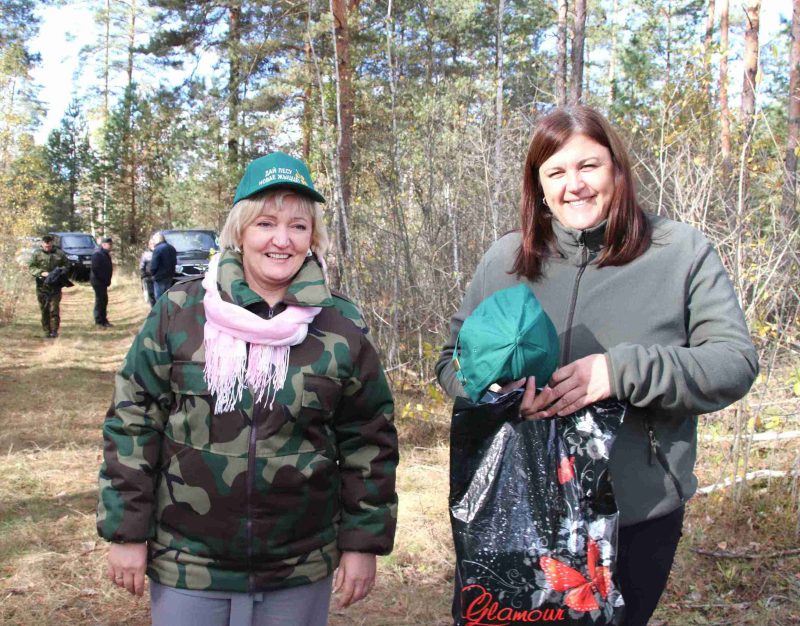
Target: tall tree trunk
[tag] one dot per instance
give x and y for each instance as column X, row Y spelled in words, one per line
column 561, row 74
column 725, row 117
column 129, row 148
column 498, row 114
column 668, row 65
column 234, row 82
column 724, row 110
column 788, row 202
column 578, row 39
column 106, row 60
column 397, row 208
column 307, row 93
column 707, row 44
column 344, row 90
column 750, row 67
column 748, row 107
column 106, row 73
column 612, row 63
column 131, row 41
column 341, row 277
column 339, row 184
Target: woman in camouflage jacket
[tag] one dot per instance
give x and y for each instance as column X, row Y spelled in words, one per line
column 234, row 497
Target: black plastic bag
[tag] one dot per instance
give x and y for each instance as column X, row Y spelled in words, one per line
column 533, row 514
column 58, row 279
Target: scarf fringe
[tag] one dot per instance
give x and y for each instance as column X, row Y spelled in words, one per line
column 228, row 330
column 225, row 369
column 266, row 372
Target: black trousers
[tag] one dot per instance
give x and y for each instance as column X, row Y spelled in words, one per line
column 645, row 553
column 100, row 303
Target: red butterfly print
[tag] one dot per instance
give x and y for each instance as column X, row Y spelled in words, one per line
column 580, row 592
column 566, row 470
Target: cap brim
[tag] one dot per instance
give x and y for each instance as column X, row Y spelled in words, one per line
column 280, row 184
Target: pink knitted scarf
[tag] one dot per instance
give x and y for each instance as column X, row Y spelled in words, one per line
column 228, row 330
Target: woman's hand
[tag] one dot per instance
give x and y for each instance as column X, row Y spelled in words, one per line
column 571, row 388
column 354, row 578
column 126, row 565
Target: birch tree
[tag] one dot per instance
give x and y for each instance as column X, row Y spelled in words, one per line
column 724, row 109
column 751, row 50
column 789, row 199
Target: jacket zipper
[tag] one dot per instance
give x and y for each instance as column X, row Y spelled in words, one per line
column 251, row 483
column 251, row 480
column 584, row 252
column 656, row 451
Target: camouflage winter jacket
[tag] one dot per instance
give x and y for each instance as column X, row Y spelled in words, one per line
column 255, row 498
column 42, row 261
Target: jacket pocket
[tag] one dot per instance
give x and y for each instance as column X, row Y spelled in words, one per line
column 320, row 398
column 191, row 415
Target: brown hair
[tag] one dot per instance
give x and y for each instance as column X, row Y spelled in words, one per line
column 627, row 234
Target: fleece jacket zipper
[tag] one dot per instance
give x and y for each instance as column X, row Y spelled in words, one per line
column 567, row 344
column 656, row 452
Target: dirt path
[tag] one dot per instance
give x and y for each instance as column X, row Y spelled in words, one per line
column 53, row 394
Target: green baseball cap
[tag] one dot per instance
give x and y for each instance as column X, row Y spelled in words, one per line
column 276, row 169
column 507, row 337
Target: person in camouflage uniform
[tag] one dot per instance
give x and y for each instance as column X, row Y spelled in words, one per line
column 262, row 497
column 44, row 261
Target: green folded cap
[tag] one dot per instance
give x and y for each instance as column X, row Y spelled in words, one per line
column 507, row 337
column 277, row 169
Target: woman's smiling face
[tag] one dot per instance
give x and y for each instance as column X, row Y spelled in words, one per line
column 275, row 244
column 578, row 182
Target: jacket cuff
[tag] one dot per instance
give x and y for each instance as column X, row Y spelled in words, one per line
column 359, row 540
column 612, row 384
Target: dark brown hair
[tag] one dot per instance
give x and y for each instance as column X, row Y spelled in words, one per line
column 627, row 234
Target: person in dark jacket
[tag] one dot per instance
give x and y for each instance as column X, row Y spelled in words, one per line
column 162, row 265
column 44, row 261
column 100, row 279
column 645, row 313
column 144, row 270
column 250, row 448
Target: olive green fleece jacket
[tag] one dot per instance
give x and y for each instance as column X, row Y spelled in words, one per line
column 673, row 334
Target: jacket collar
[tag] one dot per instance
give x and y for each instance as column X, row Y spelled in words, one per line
column 308, row 287
column 569, row 241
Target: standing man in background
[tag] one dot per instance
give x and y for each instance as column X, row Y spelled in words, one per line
column 162, row 265
column 44, row 261
column 100, row 278
column 144, row 270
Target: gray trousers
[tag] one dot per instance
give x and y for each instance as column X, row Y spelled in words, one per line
column 306, row 605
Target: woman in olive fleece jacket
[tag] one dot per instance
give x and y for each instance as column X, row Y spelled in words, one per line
column 645, row 313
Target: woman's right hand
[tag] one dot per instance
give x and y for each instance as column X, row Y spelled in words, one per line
column 531, row 403
column 528, row 407
column 126, row 566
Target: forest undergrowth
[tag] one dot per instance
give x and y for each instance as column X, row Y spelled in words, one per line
column 738, row 562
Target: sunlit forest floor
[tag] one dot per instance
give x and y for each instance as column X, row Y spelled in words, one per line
column 53, row 395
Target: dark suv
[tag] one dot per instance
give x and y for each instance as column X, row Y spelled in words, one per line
column 194, row 248
column 79, row 248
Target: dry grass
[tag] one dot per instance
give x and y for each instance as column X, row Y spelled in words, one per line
column 53, row 395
